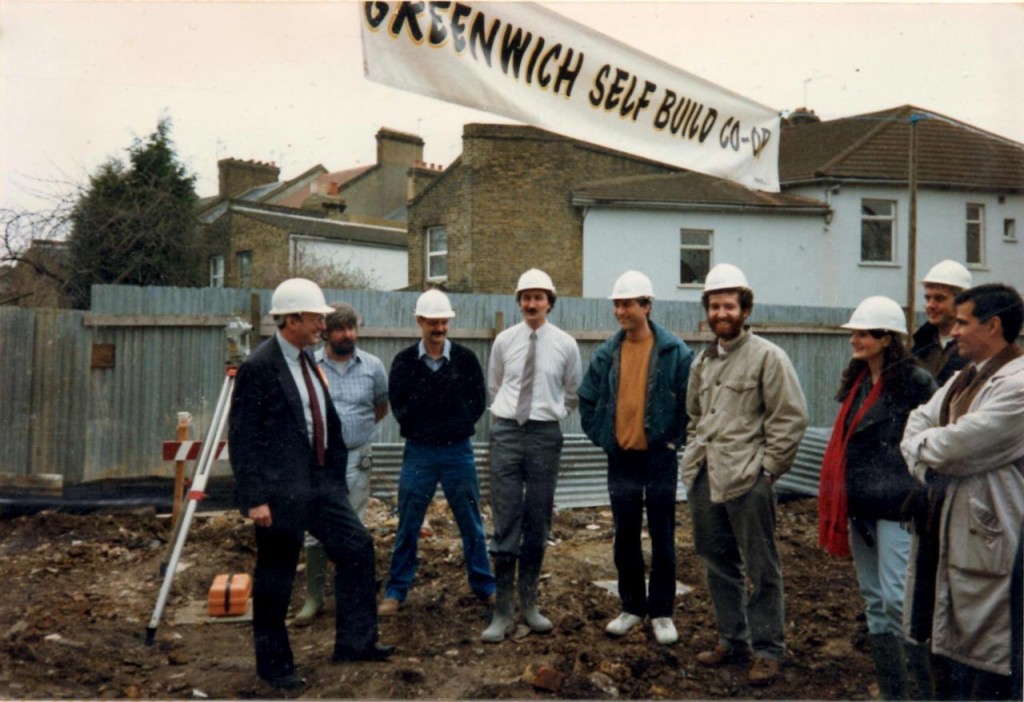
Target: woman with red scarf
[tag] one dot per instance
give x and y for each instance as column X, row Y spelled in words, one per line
column 864, row 480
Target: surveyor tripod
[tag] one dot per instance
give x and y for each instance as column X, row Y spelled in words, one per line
column 238, row 349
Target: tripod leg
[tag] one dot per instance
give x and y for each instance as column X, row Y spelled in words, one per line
column 202, row 473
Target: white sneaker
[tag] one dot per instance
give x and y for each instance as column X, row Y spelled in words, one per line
column 664, row 630
column 621, row 625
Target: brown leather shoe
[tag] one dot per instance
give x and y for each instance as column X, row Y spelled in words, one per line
column 763, row 672
column 722, row 654
column 388, row 607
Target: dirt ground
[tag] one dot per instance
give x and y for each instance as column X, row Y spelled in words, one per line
column 80, row 591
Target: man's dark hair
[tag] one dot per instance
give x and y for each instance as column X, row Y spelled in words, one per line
column 551, row 296
column 996, row 300
column 746, row 297
column 344, row 316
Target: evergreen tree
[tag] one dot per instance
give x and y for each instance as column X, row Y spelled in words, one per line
column 136, row 225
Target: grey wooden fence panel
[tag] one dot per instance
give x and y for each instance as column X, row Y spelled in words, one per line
column 60, row 415
column 17, row 341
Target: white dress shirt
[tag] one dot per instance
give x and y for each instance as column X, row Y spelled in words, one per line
column 291, row 357
column 558, row 372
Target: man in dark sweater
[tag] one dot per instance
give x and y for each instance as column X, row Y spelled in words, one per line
column 436, row 389
column 934, row 344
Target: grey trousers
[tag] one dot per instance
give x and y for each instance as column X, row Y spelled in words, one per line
column 524, row 472
column 736, row 539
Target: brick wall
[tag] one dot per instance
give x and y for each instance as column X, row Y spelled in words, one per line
column 506, row 203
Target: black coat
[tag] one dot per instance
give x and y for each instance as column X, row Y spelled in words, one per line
column 271, row 454
column 877, row 479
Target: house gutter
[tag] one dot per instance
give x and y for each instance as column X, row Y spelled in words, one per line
column 818, row 182
column 698, row 207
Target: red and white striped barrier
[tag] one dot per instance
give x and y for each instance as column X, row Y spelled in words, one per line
column 190, row 450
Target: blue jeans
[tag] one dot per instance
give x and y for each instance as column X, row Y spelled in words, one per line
column 881, row 573
column 423, row 467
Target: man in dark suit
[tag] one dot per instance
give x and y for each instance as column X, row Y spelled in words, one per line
column 288, row 458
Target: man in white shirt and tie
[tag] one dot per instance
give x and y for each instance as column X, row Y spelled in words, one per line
column 532, row 377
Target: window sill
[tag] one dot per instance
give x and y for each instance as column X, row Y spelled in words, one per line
column 879, row 264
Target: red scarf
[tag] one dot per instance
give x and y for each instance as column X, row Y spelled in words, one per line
column 833, row 525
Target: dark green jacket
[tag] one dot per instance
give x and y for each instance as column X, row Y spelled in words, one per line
column 665, row 417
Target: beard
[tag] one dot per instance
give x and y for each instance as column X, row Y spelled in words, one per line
column 345, row 347
column 727, row 329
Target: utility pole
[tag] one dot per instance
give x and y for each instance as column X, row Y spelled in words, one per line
column 912, row 229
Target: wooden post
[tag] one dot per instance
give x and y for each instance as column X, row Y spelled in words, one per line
column 184, row 422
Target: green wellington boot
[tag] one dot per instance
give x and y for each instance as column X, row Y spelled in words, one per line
column 502, row 620
column 316, row 577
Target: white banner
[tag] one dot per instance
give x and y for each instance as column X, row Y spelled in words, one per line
column 527, row 63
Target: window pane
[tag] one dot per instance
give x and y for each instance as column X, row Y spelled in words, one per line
column 877, row 208
column 245, row 269
column 438, row 239
column 973, row 212
column 693, row 265
column 876, row 241
column 438, row 267
column 695, row 237
column 973, row 243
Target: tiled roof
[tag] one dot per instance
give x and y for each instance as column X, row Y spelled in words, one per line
column 309, row 224
column 686, row 190
column 876, row 147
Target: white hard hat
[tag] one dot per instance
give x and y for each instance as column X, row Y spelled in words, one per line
column 632, row 284
column 434, row 304
column 298, row 295
column 878, row 312
column 725, row 276
column 950, row 273
column 535, row 279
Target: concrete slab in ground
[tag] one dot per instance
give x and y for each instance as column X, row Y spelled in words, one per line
column 195, row 612
column 612, row 586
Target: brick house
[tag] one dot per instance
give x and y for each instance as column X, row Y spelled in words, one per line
column 261, row 230
column 504, row 206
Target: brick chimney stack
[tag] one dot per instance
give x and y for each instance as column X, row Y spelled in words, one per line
column 237, row 176
column 398, row 148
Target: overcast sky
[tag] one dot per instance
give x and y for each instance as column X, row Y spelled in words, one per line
column 283, row 82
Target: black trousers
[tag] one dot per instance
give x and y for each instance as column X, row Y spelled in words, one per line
column 328, row 516
column 639, row 479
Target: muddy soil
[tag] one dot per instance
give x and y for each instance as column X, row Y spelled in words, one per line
column 79, row 591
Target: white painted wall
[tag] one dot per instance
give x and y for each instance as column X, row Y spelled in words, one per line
column 798, row 259
column 388, row 266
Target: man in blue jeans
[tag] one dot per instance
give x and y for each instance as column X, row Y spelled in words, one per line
column 436, row 388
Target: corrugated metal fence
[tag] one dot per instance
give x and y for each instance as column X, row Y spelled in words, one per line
column 92, row 395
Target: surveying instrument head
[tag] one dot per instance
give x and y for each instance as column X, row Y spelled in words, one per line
column 239, row 334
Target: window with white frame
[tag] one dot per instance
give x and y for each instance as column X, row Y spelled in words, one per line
column 877, row 231
column 437, row 253
column 694, row 255
column 244, row 261
column 1010, row 229
column 975, row 234
column 216, row 271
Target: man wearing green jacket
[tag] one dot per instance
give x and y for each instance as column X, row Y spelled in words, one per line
column 747, row 416
column 631, row 405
